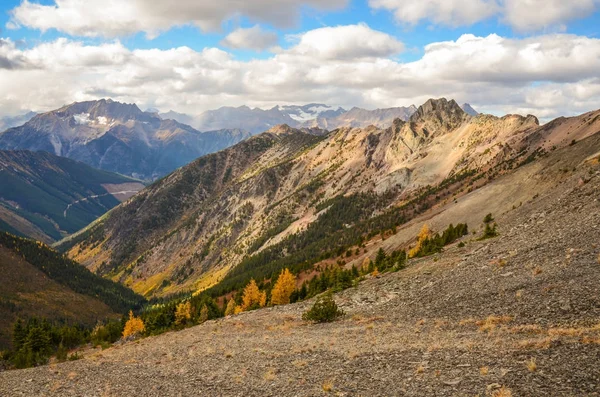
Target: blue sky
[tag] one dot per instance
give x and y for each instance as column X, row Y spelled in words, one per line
column 230, row 66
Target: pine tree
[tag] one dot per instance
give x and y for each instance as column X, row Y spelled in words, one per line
column 231, row 306
column 252, row 297
column 38, row 341
column 283, row 289
column 19, row 334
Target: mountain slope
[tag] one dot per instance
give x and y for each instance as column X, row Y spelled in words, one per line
column 37, row 281
column 290, row 205
column 517, row 313
column 46, row 197
column 116, row 137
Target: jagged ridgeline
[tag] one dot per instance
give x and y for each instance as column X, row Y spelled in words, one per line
column 286, row 198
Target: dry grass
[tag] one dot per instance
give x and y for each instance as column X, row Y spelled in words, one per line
column 483, row 371
column 467, row 321
column 531, row 329
column 502, row 392
column 300, row 363
column 531, row 365
column 327, row 385
column 566, row 331
column 540, row 343
column 490, row 323
column 420, row 369
column 270, row 375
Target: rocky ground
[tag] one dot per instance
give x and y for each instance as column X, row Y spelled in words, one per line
column 517, row 315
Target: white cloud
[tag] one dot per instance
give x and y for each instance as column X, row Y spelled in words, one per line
column 549, row 75
column 445, row 12
column 254, row 38
column 522, row 15
column 346, row 42
column 533, row 15
column 114, row 18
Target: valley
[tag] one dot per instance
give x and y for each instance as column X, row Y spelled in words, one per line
column 515, row 314
column 286, row 198
column 37, row 189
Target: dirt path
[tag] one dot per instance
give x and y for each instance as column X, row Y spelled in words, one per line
column 123, row 192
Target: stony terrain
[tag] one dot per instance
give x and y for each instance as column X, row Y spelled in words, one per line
column 518, row 312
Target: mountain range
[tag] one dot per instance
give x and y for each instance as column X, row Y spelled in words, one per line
column 117, row 137
column 286, row 198
column 256, row 120
column 47, row 197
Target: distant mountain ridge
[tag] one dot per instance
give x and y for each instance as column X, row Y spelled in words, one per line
column 117, row 137
column 312, row 115
column 15, row 121
column 46, row 197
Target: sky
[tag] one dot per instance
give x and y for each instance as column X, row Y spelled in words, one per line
column 538, row 57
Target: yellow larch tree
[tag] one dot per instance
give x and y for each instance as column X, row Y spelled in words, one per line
column 424, row 234
column 231, row 306
column 251, row 296
column 203, row 314
column 133, row 326
column 283, row 288
column 183, row 313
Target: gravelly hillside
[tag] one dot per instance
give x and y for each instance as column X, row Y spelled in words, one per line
column 462, row 323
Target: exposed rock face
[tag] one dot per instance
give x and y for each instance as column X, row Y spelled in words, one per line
column 191, row 228
column 117, row 137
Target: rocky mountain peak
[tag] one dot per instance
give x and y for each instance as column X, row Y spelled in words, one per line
column 439, row 108
column 469, row 109
column 283, row 129
column 106, row 108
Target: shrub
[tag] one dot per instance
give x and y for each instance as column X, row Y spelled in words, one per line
column 323, row 311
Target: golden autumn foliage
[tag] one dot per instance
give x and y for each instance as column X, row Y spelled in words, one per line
column 263, row 299
column 134, row 326
column 424, row 234
column 183, row 313
column 283, row 288
column 231, row 307
column 366, row 263
column 252, row 296
column 203, row 314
